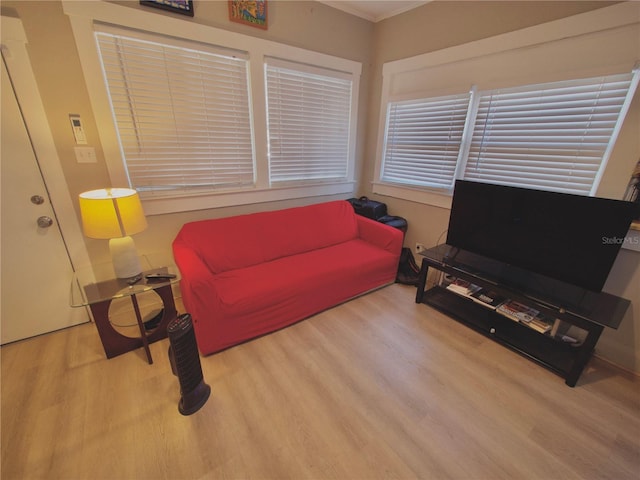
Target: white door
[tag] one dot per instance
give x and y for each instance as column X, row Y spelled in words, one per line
column 36, row 270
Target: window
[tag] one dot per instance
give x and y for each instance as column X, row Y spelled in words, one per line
column 214, row 145
column 308, row 119
column 182, row 114
column 554, row 136
column 423, row 141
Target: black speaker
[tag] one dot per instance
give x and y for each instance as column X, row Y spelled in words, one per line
column 185, row 364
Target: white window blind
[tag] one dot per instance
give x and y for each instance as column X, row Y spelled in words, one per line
column 549, row 136
column 182, row 114
column 308, row 122
column 423, row 139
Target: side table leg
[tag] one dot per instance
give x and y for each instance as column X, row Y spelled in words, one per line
column 143, row 333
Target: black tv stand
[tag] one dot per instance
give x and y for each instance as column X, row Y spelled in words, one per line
column 569, row 308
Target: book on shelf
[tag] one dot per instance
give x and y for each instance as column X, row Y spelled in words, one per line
column 517, row 311
column 529, row 316
column 463, row 287
column 488, row 298
column 540, row 323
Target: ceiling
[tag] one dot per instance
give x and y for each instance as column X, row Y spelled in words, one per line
column 374, row 10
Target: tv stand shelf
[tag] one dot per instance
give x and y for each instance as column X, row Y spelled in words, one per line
column 587, row 311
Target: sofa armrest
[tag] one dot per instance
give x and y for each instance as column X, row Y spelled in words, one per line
column 189, row 263
column 196, row 278
column 379, row 234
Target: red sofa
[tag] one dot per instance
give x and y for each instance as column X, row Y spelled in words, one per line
column 248, row 275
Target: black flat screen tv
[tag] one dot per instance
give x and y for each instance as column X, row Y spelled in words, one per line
column 571, row 238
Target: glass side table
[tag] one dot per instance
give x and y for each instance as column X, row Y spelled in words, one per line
column 97, row 287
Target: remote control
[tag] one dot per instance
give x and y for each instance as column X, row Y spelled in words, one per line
column 134, row 280
column 160, row 276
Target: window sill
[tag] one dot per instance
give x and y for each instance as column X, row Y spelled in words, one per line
column 157, row 205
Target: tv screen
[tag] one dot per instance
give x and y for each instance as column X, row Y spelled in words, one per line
column 572, row 238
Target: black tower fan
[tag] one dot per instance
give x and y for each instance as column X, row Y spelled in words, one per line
column 185, row 364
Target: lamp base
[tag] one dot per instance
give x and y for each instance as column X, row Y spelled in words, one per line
column 124, row 257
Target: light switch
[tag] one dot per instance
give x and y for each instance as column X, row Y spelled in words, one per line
column 86, row 154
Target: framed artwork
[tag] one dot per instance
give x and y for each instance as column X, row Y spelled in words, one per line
column 249, row 12
column 185, row 7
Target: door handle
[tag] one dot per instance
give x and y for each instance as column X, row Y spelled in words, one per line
column 45, row 222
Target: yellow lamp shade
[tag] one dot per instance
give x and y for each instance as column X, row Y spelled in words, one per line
column 111, row 213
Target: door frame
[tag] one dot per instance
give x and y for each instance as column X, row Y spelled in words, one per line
column 16, row 56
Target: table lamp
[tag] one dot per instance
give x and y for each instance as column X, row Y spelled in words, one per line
column 115, row 214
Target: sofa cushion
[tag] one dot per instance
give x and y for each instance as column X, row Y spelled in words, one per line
column 231, row 243
column 336, row 272
column 302, row 229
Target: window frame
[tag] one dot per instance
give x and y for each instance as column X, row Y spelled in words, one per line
column 135, row 66
column 578, row 99
column 313, row 78
column 575, row 97
column 83, row 16
column 464, row 101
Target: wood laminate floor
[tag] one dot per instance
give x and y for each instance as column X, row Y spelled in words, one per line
column 378, row 387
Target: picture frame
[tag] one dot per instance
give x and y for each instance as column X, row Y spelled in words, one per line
column 184, row 7
column 249, row 12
